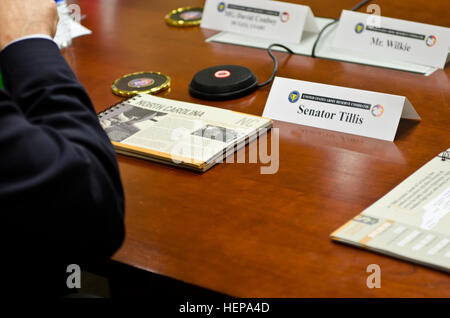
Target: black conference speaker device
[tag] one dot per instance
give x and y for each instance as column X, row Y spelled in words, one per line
column 225, row 82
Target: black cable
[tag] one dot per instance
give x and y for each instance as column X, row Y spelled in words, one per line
column 275, row 62
column 313, row 53
column 357, row 7
column 360, row 5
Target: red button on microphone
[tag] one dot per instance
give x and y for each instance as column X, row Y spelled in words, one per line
column 222, row 74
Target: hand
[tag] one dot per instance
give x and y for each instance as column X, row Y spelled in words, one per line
column 19, row 18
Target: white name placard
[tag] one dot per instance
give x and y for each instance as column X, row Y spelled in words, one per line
column 348, row 110
column 260, row 18
column 393, row 39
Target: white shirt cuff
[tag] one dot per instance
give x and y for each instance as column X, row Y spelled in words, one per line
column 32, row 36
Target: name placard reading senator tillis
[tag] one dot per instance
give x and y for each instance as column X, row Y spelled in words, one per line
column 275, row 20
column 393, row 39
column 348, row 110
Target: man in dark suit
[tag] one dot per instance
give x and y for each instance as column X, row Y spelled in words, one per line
column 61, row 199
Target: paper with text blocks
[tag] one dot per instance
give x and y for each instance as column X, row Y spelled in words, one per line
column 261, row 18
column 393, row 39
column 342, row 109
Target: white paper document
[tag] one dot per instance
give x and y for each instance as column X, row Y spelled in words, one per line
column 77, row 30
column 342, row 109
column 412, row 221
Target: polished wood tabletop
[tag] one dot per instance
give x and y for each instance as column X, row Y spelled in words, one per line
column 232, row 229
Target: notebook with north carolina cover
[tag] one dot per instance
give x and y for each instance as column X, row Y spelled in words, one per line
column 411, row 222
column 177, row 133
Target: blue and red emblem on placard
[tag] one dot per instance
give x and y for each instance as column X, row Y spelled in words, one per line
column 377, row 111
column 431, row 40
column 285, row 17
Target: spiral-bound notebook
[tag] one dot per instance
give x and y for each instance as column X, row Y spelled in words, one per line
column 411, row 222
column 182, row 134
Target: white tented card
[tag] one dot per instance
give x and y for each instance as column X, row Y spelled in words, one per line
column 393, row 39
column 261, row 18
column 347, row 110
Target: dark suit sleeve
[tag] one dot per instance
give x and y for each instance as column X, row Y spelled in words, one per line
column 60, row 189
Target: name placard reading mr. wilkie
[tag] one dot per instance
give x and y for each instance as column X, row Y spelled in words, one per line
column 393, row 39
column 348, row 110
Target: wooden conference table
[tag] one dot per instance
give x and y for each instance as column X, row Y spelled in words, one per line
column 232, row 229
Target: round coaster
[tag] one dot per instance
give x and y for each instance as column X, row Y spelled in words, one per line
column 185, row 17
column 139, row 83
